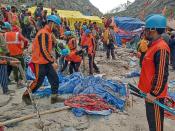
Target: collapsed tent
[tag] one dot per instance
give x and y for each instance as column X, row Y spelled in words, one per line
column 123, row 37
column 128, row 28
column 112, row 92
column 128, row 23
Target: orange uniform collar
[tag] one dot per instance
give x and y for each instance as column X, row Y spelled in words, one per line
column 48, row 28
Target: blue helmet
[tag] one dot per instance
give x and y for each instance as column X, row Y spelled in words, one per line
column 87, row 31
column 54, row 19
column 156, row 21
column 65, row 52
column 67, row 33
column 84, row 27
column 7, row 25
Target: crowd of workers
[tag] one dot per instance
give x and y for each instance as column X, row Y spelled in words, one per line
column 40, row 34
column 36, row 37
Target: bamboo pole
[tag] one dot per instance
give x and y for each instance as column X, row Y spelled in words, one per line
column 23, row 118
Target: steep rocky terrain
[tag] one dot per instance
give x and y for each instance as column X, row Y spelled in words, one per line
column 149, row 6
column 84, row 6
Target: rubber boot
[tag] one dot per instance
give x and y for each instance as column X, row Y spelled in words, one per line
column 26, row 99
column 56, row 99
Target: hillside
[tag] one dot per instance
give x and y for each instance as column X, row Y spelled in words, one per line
column 84, row 6
column 141, row 8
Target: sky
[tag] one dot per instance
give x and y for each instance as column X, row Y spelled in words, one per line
column 107, row 5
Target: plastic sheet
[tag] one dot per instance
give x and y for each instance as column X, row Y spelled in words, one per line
column 112, row 92
column 78, row 112
column 132, row 74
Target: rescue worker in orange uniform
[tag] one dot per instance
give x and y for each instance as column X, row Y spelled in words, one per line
column 13, row 16
column 44, row 62
column 83, row 37
column 3, row 64
column 91, row 47
column 154, row 73
column 74, row 57
column 14, row 41
column 61, row 31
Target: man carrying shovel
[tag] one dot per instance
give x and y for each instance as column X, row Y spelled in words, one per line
column 154, row 74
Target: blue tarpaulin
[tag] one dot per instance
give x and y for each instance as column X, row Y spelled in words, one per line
column 171, row 91
column 128, row 23
column 112, row 92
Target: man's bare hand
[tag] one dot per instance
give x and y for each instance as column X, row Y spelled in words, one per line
column 151, row 97
column 14, row 63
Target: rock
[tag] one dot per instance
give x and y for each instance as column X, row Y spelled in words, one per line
column 4, row 100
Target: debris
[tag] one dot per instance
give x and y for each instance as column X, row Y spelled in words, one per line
column 89, row 104
column 32, row 115
column 4, row 100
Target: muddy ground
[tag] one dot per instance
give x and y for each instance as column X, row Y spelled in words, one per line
column 132, row 119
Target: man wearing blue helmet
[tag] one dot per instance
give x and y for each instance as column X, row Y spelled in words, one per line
column 44, row 62
column 154, row 73
column 91, row 50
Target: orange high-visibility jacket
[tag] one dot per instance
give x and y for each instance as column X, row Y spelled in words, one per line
column 83, row 40
column 42, row 47
column 148, row 68
column 14, row 43
column 91, row 45
column 73, row 57
column 72, row 44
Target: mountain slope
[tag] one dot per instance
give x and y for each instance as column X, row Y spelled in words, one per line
column 141, row 8
column 84, row 6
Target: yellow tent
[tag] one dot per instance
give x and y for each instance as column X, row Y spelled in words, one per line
column 71, row 16
column 94, row 19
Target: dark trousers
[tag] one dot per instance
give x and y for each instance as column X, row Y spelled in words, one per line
column 110, row 50
column 42, row 71
column 92, row 64
column 155, row 116
column 173, row 58
column 74, row 66
column 17, row 75
column 28, row 29
column 4, row 78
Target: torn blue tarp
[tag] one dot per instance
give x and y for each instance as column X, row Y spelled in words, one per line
column 112, row 92
column 80, row 112
column 128, row 23
column 132, row 74
column 171, row 91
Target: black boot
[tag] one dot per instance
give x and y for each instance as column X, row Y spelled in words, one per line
column 56, row 99
column 26, row 99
